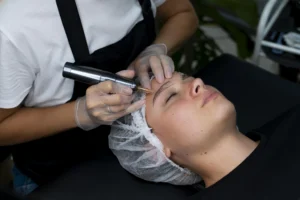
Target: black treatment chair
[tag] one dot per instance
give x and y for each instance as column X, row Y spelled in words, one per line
column 259, row 97
column 4, row 153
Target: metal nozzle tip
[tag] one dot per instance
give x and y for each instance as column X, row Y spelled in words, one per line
column 147, row 91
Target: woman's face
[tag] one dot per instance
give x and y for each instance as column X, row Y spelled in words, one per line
column 187, row 115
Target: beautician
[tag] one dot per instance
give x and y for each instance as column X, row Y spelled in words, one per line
column 53, row 123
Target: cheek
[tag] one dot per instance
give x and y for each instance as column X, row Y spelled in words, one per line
column 179, row 125
column 185, row 127
column 179, row 113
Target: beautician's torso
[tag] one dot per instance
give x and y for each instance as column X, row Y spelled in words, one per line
column 34, row 27
column 41, row 42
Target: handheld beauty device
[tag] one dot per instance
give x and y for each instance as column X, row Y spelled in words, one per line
column 93, row 76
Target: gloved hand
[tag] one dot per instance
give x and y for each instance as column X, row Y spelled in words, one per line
column 104, row 103
column 155, row 58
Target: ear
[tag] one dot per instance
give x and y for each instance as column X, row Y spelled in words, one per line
column 167, row 152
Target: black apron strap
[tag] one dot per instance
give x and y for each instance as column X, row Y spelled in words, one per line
column 73, row 27
column 148, row 17
column 72, row 24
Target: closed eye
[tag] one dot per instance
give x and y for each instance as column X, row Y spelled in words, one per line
column 171, row 96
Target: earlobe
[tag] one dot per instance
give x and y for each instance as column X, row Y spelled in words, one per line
column 167, row 152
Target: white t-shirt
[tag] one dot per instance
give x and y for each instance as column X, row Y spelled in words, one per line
column 34, row 46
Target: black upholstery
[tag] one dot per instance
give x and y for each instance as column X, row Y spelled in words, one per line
column 4, row 153
column 9, row 195
column 105, row 179
column 258, row 96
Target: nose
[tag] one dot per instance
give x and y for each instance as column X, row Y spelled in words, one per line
column 196, row 86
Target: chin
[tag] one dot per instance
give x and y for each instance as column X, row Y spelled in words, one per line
column 225, row 113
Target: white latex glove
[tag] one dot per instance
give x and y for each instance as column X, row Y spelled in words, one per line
column 104, row 103
column 154, row 58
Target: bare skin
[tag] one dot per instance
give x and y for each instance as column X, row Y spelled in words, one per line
column 197, row 126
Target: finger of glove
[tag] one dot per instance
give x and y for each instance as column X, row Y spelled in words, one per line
column 143, row 75
column 119, row 108
column 129, row 73
column 108, row 87
column 132, row 108
column 168, row 65
column 101, row 115
column 157, row 68
column 116, row 99
column 131, row 66
column 109, row 100
column 105, row 119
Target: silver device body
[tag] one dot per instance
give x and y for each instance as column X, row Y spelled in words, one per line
column 93, row 76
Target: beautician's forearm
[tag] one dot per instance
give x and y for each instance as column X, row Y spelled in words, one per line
column 34, row 123
column 177, row 30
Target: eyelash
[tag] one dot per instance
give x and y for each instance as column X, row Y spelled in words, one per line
column 172, row 95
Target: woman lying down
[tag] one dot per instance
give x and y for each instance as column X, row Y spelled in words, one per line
column 187, row 133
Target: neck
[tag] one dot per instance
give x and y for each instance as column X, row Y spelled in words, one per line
column 222, row 158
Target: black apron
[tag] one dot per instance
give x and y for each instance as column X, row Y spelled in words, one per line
column 44, row 159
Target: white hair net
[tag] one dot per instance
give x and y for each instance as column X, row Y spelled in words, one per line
column 140, row 152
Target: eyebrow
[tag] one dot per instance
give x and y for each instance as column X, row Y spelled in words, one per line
column 165, row 86
column 160, row 90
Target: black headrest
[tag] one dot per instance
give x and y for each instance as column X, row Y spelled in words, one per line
column 4, row 153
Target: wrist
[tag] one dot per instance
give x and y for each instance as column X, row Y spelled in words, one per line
column 82, row 117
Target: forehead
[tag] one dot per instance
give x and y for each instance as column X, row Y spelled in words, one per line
column 156, row 85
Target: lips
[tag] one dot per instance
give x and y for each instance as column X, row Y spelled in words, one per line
column 208, row 96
